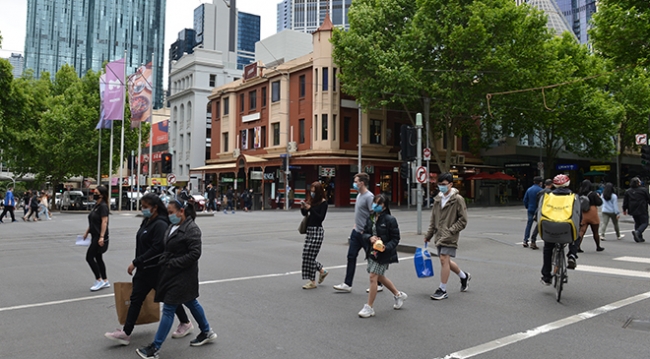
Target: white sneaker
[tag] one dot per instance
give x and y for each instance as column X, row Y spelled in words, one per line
column 97, row 286
column 621, row 236
column 343, row 287
column 380, row 288
column 106, row 284
column 399, row 300
column 367, row 311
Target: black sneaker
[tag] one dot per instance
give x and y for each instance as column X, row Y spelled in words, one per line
column 546, row 281
column 464, row 283
column 203, row 338
column 571, row 263
column 636, row 236
column 148, row 352
column 439, row 295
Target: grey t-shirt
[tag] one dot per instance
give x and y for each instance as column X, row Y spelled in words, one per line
column 362, row 209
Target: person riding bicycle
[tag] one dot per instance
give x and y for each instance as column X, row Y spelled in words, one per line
column 561, row 183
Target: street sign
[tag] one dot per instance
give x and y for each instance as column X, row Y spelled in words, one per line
column 540, row 165
column 171, row 178
column 427, row 154
column 641, row 139
column 421, row 174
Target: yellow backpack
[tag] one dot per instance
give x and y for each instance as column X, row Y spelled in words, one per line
column 558, row 218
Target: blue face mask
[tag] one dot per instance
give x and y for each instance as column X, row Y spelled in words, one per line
column 313, row 194
column 146, row 212
column 443, row 189
column 355, row 186
column 377, row 208
column 174, row 219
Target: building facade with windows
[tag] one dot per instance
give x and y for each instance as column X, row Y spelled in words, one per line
column 578, row 14
column 296, row 111
column 17, row 63
column 85, row 34
column 248, row 33
column 307, row 15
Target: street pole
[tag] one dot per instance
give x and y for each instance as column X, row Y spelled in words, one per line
column 408, row 186
column 122, row 141
column 359, row 170
column 153, row 98
column 289, row 136
column 618, row 161
column 132, row 159
column 427, row 104
column 99, row 158
column 418, row 125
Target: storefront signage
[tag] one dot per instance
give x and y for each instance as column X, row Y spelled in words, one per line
column 231, row 180
column 517, row 165
column 157, row 181
column 327, row 171
column 269, row 176
column 256, row 175
column 254, row 117
column 566, row 167
column 601, row 168
column 369, row 169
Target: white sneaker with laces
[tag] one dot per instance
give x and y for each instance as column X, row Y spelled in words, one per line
column 380, row 288
column 367, row 311
column 183, row 330
column 343, row 287
column 106, row 284
column 97, row 286
column 399, row 300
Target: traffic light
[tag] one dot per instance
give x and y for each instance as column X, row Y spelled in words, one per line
column 408, row 142
column 167, row 163
column 404, row 170
column 645, row 157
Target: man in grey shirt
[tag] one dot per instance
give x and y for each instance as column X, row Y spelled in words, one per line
column 362, row 209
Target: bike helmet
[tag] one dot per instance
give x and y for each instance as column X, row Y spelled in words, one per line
column 561, row 181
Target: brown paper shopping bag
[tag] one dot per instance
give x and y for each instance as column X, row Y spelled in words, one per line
column 150, row 311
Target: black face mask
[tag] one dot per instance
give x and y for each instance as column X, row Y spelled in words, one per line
column 96, row 197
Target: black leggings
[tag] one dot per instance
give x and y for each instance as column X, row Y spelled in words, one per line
column 94, row 258
column 142, row 285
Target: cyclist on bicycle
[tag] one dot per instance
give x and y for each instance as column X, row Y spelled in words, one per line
column 561, row 183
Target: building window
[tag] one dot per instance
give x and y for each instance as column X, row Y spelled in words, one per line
column 465, row 143
column 225, row 142
column 324, row 123
column 263, row 96
column 302, row 83
column 241, row 102
column 375, row 132
column 334, row 79
column 315, row 127
column 252, row 98
column 217, row 108
column 243, row 138
column 316, row 78
column 213, row 80
column 301, row 130
column 333, row 127
column 346, row 129
column 325, row 78
column 275, row 91
column 276, row 134
column 263, row 136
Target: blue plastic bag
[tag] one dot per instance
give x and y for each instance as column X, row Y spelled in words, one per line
column 423, row 263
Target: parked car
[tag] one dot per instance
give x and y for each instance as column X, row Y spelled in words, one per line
column 72, row 200
column 199, row 202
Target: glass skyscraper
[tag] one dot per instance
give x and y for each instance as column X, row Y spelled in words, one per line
column 87, row 33
column 308, row 15
column 248, row 33
column 578, row 14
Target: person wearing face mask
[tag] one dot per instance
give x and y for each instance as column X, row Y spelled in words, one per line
column 448, row 218
column 98, row 230
column 149, row 246
column 316, row 209
column 382, row 233
column 178, row 282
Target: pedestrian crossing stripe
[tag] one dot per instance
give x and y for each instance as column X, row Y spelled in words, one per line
column 613, row 271
column 633, row 259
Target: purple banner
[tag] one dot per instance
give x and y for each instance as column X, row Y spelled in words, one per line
column 114, row 93
column 102, row 88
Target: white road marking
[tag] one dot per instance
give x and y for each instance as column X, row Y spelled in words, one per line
column 586, row 235
column 226, row 280
column 514, row 338
column 633, row 259
column 615, row 271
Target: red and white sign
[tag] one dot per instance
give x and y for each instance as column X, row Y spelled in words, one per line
column 171, row 178
column 157, row 157
column 641, row 139
column 421, row 174
column 427, row 154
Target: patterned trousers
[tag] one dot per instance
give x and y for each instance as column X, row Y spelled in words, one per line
column 313, row 242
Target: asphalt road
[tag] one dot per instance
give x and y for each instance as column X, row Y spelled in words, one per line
column 251, row 291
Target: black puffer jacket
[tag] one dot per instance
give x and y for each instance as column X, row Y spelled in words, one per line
column 150, row 244
column 179, row 265
column 388, row 231
column 636, row 201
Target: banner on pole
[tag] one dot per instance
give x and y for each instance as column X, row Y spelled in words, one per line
column 140, row 94
column 103, row 123
column 114, row 92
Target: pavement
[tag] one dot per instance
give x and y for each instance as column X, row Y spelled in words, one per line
column 251, row 292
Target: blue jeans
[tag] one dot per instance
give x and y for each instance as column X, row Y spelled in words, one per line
column 529, row 225
column 167, row 320
column 356, row 244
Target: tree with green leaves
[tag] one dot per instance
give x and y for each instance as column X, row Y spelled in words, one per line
column 444, row 53
column 621, row 31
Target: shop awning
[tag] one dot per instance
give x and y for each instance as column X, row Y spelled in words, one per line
column 221, row 166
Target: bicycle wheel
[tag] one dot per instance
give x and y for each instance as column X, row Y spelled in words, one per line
column 555, row 267
column 560, row 273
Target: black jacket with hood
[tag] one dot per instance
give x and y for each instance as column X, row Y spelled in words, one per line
column 150, row 244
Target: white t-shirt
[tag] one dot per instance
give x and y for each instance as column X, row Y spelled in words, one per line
column 174, row 228
column 444, row 199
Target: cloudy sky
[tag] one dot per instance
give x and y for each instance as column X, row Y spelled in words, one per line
column 180, row 15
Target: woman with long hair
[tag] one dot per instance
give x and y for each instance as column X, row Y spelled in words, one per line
column 316, row 209
column 383, row 234
column 590, row 218
column 149, row 246
column 178, row 283
column 98, row 230
column 610, row 211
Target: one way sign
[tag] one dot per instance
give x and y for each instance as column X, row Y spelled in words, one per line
column 641, row 139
